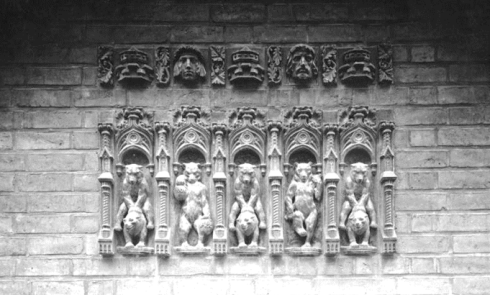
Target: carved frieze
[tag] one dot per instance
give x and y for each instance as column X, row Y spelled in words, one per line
column 134, row 67
column 245, row 67
column 357, row 68
column 385, row 64
column 162, row 66
column 105, row 69
column 301, row 66
column 189, row 66
column 218, row 65
column 274, row 60
column 329, row 65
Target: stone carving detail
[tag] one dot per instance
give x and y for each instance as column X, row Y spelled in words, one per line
column 301, row 65
column 385, row 64
column 106, row 180
column 357, row 68
column 245, row 67
column 134, row 67
column 274, row 60
column 329, row 65
column 105, row 70
column 330, row 162
column 189, row 65
column 162, row 66
column 195, row 209
column 219, row 179
column 218, row 65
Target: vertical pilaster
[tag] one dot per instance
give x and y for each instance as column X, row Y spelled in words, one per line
column 106, row 180
column 219, row 179
column 331, row 178
column 276, row 237
column 162, row 240
column 388, row 178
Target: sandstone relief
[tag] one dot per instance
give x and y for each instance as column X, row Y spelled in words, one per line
column 300, row 65
column 329, row 65
column 274, row 60
column 134, row 68
column 218, row 65
column 357, row 68
column 245, row 67
column 162, row 66
column 189, row 66
column 105, row 69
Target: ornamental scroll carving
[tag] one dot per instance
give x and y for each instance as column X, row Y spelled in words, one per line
column 248, row 186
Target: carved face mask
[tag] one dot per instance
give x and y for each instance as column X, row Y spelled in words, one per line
column 189, row 68
column 302, row 65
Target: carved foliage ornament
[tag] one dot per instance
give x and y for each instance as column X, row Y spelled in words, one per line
column 329, row 65
column 274, row 60
column 385, row 64
column 162, row 66
column 218, row 65
column 105, row 70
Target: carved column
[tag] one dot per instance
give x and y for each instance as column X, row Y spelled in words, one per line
column 388, row 178
column 219, row 179
column 162, row 240
column 106, row 180
column 276, row 238
column 331, row 178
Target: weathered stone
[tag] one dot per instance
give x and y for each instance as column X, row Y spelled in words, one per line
column 469, row 73
column 55, row 203
column 423, row 54
column 42, row 141
column 243, row 13
column 423, row 74
column 423, row 137
column 52, row 245
column 13, row 247
column 42, row 224
column 55, row 288
column 54, row 76
column 423, row 244
column 422, row 159
column 42, row 267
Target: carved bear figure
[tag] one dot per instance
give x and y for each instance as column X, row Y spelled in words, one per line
column 195, row 210
column 357, row 187
column 300, row 206
column 358, row 226
column 135, row 192
column 247, row 192
column 135, row 227
column 247, row 225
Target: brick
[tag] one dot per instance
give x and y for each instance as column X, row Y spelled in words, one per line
column 15, row 288
column 423, row 180
column 243, row 13
column 460, row 136
column 279, row 34
column 400, row 139
column 5, row 98
column 42, row 224
column 6, row 225
column 89, row 76
column 55, row 203
column 91, row 161
column 128, row 287
column 85, row 182
column 58, row 288
column 12, row 162
column 108, row 34
column 415, row 31
column 421, row 159
column 420, row 116
column 423, row 54
column 43, row 267
column 12, row 247
column 423, row 138
column 6, row 142
column 281, row 285
column 469, row 157
column 375, row 33
column 43, row 98
column 100, row 287
column 86, row 140
column 53, row 120
column 390, row 96
column 464, row 179
column 6, row 182
column 182, row 13
column 403, row 222
column 471, row 243
column 279, row 13
column 482, row 94
column 420, row 201
column 13, row 203
column 471, row 285
column 54, row 76
column 468, row 201
column 92, row 202
column 464, row 265
column 101, row 98
column 12, row 76
column 395, row 265
column 100, row 267
column 423, row 95
column 423, row 266
column 422, row 222
column 461, row 222
column 424, row 285
column 54, row 245
column 245, row 266
column 420, row 74
column 356, row 285
column 422, row 244
column 466, row 115
column 54, row 162
column 146, row 267
column 42, row 140
column 366, row 265
column 236, row 34
column 55, row 33
column 242, row 97
column 85, row 224
column 335, row 33
column 208, row 34
column 400, row 53
column 44, row 182
column 341, row 266
column 7, row 267
column 450, row 95
column 469, row 73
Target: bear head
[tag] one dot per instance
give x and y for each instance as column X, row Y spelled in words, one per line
column 358, row 172
column 246, row 173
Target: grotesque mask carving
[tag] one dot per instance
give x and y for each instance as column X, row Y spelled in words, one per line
column 301, row 65
column 189, row 65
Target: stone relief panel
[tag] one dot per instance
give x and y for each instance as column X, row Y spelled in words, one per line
column 218, row 58
column 105, row 69
column 357, row 68
column 274, row 61
column 295, row 186
column 329, row 65
column 162, row 66
column 245, row 68
column 189, row 66
column 134, row 68
column 300, row 65
column 385, row 64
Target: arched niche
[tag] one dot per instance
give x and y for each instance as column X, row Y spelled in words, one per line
column 302, row 155
column 134, row 156
column 191, row 154
column 246, row 156
column 357, row 155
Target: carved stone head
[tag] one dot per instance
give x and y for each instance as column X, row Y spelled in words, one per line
column 192, row 172
column 189, row 65
column 301, row 63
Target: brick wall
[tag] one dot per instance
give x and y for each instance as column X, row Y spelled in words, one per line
column 50, row 105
